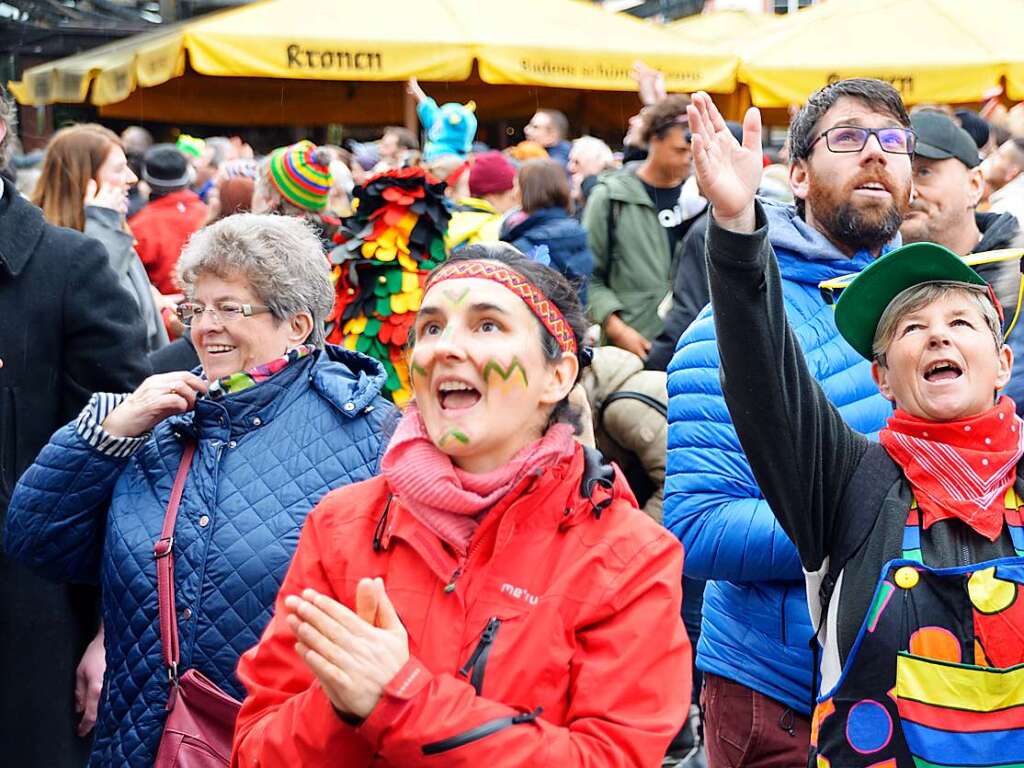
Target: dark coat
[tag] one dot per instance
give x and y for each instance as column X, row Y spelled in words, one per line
column 689, row 295
column 68, row 329
column 566, row 241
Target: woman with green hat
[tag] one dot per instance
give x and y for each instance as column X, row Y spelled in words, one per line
column 913, row 548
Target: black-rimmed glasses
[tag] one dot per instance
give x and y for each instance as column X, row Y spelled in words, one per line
column 853, row 138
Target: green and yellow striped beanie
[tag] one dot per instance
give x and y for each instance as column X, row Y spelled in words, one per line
column 299, row 177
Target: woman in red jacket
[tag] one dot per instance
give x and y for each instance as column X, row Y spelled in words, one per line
column 495, row 597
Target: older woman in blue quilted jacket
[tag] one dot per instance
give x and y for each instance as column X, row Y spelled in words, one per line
column 277, row 418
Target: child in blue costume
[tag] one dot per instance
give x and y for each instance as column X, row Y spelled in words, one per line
column 450, row 127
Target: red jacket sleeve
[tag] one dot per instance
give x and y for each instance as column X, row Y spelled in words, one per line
column 287, row 719
column 630, row 689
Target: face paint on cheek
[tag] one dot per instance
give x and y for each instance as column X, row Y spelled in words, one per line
column 451, row 434
column 507, row 379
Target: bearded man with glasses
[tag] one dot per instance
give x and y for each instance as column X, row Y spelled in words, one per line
column 850, row 172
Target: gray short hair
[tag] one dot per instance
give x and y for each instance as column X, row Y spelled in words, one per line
column 594, row 147
column 918, row 296
column 281, row 257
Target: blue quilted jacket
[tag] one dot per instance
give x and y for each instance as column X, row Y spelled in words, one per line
column 265, row 456
column 756, row 629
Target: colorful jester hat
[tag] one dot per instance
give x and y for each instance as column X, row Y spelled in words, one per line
column 394, row 238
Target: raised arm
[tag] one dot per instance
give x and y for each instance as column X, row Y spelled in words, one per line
column 801, row 451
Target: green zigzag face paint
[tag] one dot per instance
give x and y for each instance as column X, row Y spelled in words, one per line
column 462, row 437
column 505, row 373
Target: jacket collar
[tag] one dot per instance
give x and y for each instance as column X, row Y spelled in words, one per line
column 555, row 499
column 537, row 219
column 348, row 380
column 21, row 228
column 998, row 230
column 476, row 205
column 805, row 255
column 625, row 186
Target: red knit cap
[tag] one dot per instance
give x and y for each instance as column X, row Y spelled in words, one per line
column 491, row 172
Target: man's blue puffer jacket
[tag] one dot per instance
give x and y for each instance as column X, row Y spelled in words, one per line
column 756, row 628
column 265, row 456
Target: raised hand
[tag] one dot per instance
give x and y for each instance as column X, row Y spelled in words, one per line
column 728, row 172
column 412, row 87
column 651, row 82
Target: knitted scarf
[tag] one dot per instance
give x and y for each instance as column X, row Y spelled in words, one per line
column 236, row 382
column 959, row 468
column 448, row 500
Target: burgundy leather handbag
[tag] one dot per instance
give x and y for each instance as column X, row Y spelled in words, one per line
column 201, row 717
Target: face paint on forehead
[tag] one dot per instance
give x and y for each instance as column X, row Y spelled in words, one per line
column 506, row 373
column 455, row 297
column 453, row 433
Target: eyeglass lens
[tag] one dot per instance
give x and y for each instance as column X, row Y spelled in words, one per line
column 852, row 139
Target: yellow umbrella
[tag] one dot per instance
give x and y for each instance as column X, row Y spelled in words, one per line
column 999, row 24
column 553, row 43
column 724, row 30
column 925, row 48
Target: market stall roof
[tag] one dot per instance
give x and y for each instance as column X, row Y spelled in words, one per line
column 930, row 50
column 724, row 30
column 553, row 43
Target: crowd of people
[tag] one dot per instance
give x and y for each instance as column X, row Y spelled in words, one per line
column 413, row 452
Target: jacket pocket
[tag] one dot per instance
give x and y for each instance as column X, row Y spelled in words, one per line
column 479, row 732
column 476, row 664
column 8, row 442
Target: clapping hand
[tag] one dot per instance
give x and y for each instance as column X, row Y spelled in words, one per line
column 728, row 172
column 353, row 654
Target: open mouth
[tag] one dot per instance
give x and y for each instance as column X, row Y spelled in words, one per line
column 873, row 188
column 220, row 349
column 456, row 395
column 942, row 370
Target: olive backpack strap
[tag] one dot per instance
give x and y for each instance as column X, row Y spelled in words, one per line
column 614, row 206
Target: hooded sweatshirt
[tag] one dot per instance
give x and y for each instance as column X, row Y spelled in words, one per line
column 756, row 627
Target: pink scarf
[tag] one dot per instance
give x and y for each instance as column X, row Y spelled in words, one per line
column 448, row 500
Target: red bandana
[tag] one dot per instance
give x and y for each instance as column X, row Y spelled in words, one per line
column 959, row 468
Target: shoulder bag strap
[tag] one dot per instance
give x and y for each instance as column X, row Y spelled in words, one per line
column 163, row 552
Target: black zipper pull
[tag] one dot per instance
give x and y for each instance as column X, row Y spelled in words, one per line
column 486, row 638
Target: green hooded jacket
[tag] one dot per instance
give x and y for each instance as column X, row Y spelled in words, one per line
column 638, row 275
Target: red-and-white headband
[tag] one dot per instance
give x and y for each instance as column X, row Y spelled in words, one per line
column 545, row 310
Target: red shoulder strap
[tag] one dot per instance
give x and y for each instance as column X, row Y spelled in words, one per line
column 163, row 551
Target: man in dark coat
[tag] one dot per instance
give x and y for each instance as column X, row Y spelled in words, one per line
column 68, row 329
column 948, row 186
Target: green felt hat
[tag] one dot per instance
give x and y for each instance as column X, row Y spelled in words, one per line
column 861, row 304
